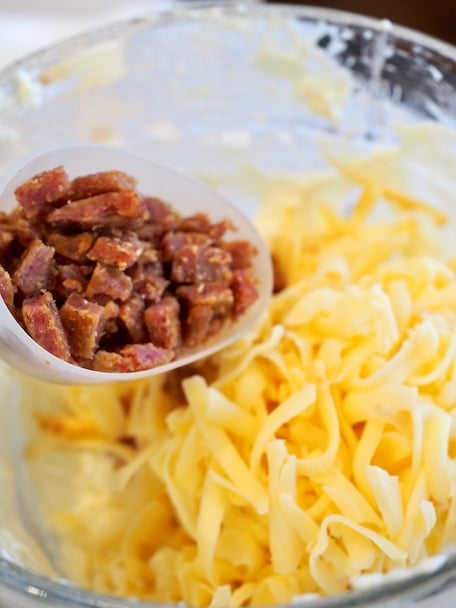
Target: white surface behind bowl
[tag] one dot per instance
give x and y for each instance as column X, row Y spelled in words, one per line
column 28, row 25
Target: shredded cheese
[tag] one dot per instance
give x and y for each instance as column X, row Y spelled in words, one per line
column 317, row 450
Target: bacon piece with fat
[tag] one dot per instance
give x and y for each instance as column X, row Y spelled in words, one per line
column 112, row 209
column 163, row 323
column 111, row 282
column 100, row 183
column 34, row 272
column 42, row 321
column 121, row 252
column 35, row 195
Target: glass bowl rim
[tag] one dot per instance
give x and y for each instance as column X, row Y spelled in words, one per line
column 16, row 579
column 27, row 583
column 103, row 33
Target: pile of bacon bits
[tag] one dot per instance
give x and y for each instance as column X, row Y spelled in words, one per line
column 111, row 280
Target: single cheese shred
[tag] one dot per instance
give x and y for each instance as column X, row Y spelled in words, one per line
column 318, row 449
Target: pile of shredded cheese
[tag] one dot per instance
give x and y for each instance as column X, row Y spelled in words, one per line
column 318, row 449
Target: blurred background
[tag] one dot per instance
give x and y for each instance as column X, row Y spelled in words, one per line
column 26, row 25
column 435, row 17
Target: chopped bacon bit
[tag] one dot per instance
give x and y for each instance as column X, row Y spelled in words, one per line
column 144, row 356
column 110, row 323
column 173, row 241
column 150, row 233
column 111, row 310
column 100, row 183
column 242, row 253
column 200, row 223
column 197, row 324
column 82, row 321
column 134, row 280
column 244, row 290
column 131, row 313
column 217, row 296
column 201, row 264
column 7, row 288
column 74, row 247
column 121, row 252
column 132, row 358
column 111, row 282
column 163, row 324
column 70, row 278
column 150, row 259
column 217, row 231
column 34, row 271
column 47, row 187
column 23, row 230
column 148, row 279
column 106, row 361
column 113, row 209
column 152, row 288
column 160, row 219
column 159, row 211
column 42, row 321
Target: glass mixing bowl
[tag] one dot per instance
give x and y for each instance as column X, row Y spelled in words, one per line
column 215, row 89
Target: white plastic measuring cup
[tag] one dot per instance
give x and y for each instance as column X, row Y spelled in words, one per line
column 184, row 194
